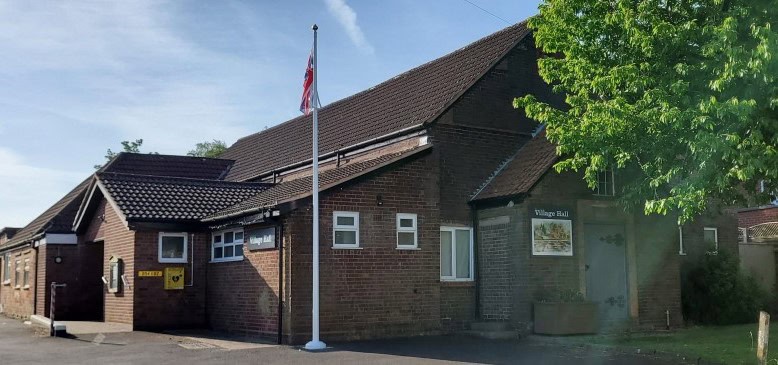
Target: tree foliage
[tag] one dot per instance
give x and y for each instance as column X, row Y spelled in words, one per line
column 680, row 93
column 127, row 146
column 208, row 149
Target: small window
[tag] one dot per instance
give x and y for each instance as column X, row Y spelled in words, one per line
column 7, row 269
column 114, row 274
column 711, row 238
column 172, row 247
column 227, row 245
column 345, row 230
column 456, row 254
column 407, row 231
column 26, row 278
column 605, row 184
column 18, row 275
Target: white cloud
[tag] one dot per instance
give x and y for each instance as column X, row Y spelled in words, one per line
column 29, row 190
column 347, row 18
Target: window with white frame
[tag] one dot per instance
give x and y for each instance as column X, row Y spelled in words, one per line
column 605, row 185
column 114, row 274
column 18, row 275
column 456, row 254
column 7, row 269
column 26, row 278
column 227, row 245
column 407, row 231
column 172, row 247
column 345, row 229
column 711, row 238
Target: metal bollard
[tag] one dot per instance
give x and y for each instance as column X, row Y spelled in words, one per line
column 54, row 286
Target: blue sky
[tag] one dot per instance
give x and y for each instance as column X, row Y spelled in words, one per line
column 77, row 78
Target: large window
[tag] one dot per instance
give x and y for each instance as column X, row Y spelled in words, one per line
column 456, row 254
column 172, row 247
column 711, row 238
column 605, row 184
column 227, row 245
column 345, row 229
column 7, row 268
column 407, row 231
column 26, row 278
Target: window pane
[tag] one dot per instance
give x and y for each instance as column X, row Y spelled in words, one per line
column 445, row 253
column 710, row 236
column 228, row 251
column 217, row 239
column 228, row 237
column 114, row 275
column 345, row 221
column 172, row 247
column 463, row 254
column 345, row 238
column 217, row 253
column 406, row 238
column 406, row 223
column 238, row 250
column 26, row 277
column 238, row 236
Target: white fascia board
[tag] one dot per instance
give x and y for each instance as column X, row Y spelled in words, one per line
column 60, row 239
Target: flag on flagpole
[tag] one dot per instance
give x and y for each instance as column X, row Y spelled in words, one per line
column 306, row 104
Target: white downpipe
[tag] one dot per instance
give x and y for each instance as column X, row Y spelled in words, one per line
column 315, row 343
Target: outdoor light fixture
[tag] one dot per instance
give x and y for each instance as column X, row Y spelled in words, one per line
column 379, row 200
column 58, row 259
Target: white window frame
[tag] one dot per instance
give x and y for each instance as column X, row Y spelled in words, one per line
column 166, row 260
column 336, row 227
column 453, row 276
column 681, row 248
column 222, row 245
column 611, row 190
column 715, row 236
column 415, row 230
column 7, row 269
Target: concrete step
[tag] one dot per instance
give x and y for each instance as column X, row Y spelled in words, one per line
column 491, row 326
column 494, row 335
column 43, row 322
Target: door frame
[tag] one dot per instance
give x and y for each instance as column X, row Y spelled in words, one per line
column 608, row 212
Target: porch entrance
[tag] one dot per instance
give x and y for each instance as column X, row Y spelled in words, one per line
column 606, row 272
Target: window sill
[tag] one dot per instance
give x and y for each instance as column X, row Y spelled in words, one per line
column 233, row 259
column 458, row 283
column 26, row 287
column 172, row 261
column 682, row 254
column 7, row 282
column 17, row 287
column 408, row 248
column 346, row 248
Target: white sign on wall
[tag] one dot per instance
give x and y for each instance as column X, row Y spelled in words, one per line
column 262, row 238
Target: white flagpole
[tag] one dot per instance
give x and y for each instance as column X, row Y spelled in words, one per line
column 315, row 343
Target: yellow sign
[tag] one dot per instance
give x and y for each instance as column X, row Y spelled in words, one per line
column 174, row 278
column 148, row 274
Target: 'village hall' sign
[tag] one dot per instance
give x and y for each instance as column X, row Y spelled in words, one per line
column 552, row 231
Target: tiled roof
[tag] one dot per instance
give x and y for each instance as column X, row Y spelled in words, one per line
column 147, row 198
column 57, row 219
column 519, row 174
column 301, row 187
column 9, row 231
column 411, row 99
column 169, row 165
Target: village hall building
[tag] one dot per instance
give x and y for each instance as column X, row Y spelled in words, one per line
column 439, row 210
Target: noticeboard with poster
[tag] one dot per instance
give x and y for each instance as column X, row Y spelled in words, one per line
column 552, row 231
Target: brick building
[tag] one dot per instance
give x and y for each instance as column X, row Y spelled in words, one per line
column 759, row 243
column 173, row 241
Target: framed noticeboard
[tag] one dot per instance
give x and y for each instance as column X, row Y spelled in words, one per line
column 552, row 232
column 262, row 238
column 174, row 278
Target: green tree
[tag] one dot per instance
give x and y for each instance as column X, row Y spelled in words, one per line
column 127, row 146
column 680, row 95
column 208, row 149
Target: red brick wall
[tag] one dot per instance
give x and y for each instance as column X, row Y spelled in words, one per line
column 377, row 290
column 157, row 308
column 17, row 302
column 752, row 217
column 243, row 295
column 118, row 241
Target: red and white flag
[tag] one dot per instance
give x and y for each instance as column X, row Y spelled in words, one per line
column 306, row 104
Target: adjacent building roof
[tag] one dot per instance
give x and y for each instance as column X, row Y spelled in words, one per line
column 9, row 232
column 520, row 173
column 301, row 188
column 57, row 219
column 403, row 103
column 169, row 165
column 173, row 199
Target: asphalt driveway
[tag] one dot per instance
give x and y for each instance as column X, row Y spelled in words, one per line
column 20, row 345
